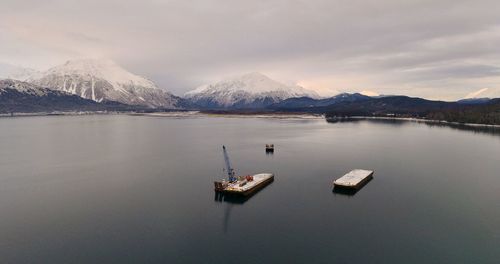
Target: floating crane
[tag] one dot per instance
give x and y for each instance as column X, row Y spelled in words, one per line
column 230, row 170
column 242, row 185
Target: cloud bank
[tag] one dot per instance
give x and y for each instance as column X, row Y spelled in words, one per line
column 442, row 49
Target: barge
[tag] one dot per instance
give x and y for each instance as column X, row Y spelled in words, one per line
column 245, row 185
column 241, row 185
column 355, row 179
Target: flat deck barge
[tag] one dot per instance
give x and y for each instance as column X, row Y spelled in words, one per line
column 355, row 179
column 245, row 185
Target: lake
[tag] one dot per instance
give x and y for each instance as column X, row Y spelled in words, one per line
column 139, row 189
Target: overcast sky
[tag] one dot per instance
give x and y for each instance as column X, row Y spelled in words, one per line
column 438, row 49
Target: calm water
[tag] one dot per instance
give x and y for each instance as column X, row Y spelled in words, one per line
column 132, row 189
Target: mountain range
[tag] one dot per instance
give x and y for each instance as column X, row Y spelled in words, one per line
column 305, row 103
column 104, row 81
column 96, row 85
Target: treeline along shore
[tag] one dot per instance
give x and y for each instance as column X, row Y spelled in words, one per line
column 487, row 113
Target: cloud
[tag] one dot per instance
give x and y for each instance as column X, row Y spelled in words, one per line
column 484, row 93
column 436, row 49
column 369, row 93
column 476, row 93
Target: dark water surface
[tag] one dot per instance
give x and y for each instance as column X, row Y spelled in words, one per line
column 132, row 189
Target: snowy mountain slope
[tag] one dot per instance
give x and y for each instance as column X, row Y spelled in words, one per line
column 18, row 96
column 104, row 80
column 253, row 90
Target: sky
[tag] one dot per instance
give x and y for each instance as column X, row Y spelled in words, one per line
column 439, row 49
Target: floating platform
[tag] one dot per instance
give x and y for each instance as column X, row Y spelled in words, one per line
column 245, row 185
column 355, row 179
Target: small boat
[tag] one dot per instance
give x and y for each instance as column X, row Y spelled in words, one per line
column 269, row 147
column 355, row 179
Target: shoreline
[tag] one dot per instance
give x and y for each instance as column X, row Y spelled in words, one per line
column 416, row 120
column 79, row 113
column 176, row 114
column 280, row 115
column 233, row 115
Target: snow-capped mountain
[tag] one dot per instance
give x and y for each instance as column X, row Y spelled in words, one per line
column 253, row 90
column 104, row 80
column 18, row 96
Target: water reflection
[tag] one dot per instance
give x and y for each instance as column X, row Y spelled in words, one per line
column 342, row 119
column 230, row 198
column 227, row 215
column 233, row 200
column 491, row 130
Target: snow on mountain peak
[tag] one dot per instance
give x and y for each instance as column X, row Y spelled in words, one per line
column 248, row 90
column 254, row 83
column 104, row 69
column 103, row 79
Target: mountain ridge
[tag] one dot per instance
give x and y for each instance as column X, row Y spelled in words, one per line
column 251, row 90
column 19, row 96
column 100, row 80
column 305, row 103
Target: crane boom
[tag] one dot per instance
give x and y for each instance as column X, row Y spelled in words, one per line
column 230, row 170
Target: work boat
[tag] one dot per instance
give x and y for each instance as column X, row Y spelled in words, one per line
column 241, row 185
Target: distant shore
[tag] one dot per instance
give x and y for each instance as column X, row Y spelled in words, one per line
column 81, row 113
column 409, row 119
column 245, row 114
column 229, row 114
column 173, row 113
column 62, row 113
